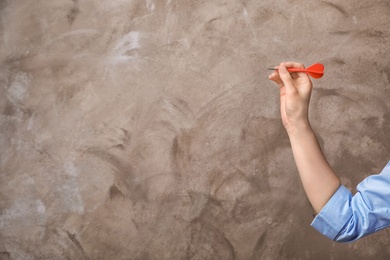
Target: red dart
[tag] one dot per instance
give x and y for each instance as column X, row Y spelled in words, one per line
column 316, row 70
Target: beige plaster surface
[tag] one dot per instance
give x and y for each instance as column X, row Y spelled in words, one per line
column 149, row 130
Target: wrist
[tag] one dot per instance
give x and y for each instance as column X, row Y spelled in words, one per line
column 298, row 129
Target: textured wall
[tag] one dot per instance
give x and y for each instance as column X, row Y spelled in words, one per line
column 149, row 130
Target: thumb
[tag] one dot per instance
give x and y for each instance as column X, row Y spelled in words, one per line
column 286, row 78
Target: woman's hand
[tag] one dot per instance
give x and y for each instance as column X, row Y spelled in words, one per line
column 295, row 92
column 318, row 178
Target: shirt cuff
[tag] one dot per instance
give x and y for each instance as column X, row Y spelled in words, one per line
column 335, row 214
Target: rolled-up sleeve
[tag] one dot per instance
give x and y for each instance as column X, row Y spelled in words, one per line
column 346, row 218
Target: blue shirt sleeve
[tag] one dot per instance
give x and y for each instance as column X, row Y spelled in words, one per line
column 346, row 218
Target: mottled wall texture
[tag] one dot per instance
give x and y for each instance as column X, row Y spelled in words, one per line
column 148, row 129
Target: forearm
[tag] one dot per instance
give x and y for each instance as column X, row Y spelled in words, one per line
column 318, row 179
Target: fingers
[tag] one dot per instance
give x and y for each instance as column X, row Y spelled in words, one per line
column 295, row 65
column 290, row 64
column 286, row 78
column 276, row 78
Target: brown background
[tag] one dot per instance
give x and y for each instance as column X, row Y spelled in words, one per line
column 149, row 130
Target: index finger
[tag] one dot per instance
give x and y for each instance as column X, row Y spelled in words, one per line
column 291, row 64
